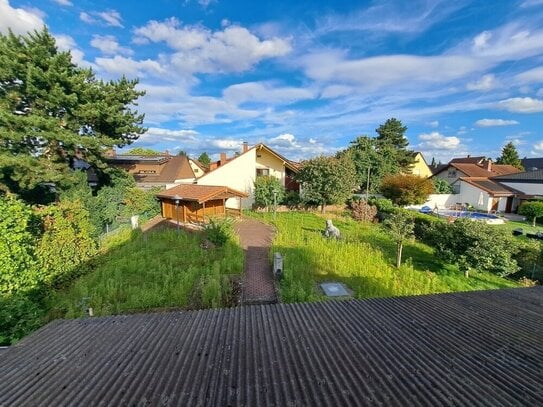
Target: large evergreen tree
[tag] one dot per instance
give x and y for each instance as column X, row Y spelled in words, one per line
column 52, row 112
column 510, row 156
column 391, row 134
column 204, row 158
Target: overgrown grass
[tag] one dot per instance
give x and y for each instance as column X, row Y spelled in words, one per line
column 155, row 270
column 363, row 260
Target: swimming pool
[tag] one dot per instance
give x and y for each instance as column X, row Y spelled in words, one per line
column 488, row 218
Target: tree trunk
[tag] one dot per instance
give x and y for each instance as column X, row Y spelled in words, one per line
column 533, row 221
column 466, row 273
column 322, row 208
column 399, row 255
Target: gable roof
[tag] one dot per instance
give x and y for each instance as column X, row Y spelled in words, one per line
column 475, row 170
column 528, row 177
column 170, row 167
column 200, row 193
column 443, row 349
column 288, row 164
column 490, row 186
column 468, row 160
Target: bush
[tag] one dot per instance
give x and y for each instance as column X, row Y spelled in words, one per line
column 473, row 245
column 268, row 191
column 531, row 210
column 292, row 199
column 383, row 205
column 20, row 314
column 424, row 225
column 441, row 186
column 363, row 211
column 406, row 189
column 219, row 230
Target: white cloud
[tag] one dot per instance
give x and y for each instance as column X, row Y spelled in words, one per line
column 110, row 18
column 540, row 92
column 486, row 83
column 531, row 3
column 109, row 45
column 119, row 65
column 481, row 40
column 64, row 3
column 531, row 76
column 159, row 135
column 522, row 105
column 437, row 141
column 495, row 122
column 434, row 124
column 206, row 3
column 67, row 43
column 19, row 20
column 198, row 49
column 538, row 147
column 377, row 72
column 264, row 92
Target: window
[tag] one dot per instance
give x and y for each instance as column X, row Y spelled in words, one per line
column 451, row 173
column 196, row 170
column 260, row 172
column 146, row 172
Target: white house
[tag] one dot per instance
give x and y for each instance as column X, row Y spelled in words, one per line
column 240, row 172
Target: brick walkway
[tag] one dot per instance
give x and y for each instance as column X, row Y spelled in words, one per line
column 258, row 282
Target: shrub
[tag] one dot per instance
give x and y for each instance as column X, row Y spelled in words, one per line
column 406, row 189
column 219, row 230
column 532, row 210
column 474, row 245
column 424, row 225
column 363, row 211
column 441, row 186
column 292, row 199
column 18, row 230
column 268, row 191
column 383, row 205
column 20, row 314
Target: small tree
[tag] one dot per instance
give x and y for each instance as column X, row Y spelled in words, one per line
column 268, row 191
column 406, row 189
column 441, row 186
column 327, row 180
column 510, row 156
column 400, row 226
column 532, row 210
column 204, row 158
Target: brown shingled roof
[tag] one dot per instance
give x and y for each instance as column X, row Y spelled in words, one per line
column 177, row 167
column 492, row 187
column 474, row 170
column 200, row 193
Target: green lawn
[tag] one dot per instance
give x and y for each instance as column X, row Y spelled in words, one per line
column 155, row 270
column 363, row 260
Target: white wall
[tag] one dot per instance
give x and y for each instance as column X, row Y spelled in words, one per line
column 470, row 194
column 528, row 189
column 237, row 174
column 445, row 175
column 440, row 201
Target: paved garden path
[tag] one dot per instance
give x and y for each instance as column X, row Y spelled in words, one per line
column 258, row 281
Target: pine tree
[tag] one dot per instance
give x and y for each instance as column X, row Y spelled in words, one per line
column 53, row 112
column 204, row 158
column 510, row 156
column 391, row 135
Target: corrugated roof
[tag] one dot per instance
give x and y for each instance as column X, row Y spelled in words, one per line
column 469, row 349
column 200, row 193
column 468, row 160
column 530, row 164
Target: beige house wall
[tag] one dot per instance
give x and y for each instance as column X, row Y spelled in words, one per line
column 198, row 172
column 276, row 166
column 420, row 167
column 238, row 174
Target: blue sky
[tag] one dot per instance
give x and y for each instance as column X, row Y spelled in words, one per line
column 307, row 77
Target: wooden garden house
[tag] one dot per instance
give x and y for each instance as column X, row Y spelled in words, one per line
column 193, row 203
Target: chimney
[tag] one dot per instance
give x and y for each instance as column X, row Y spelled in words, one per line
column 223, row 158
column 469, row 155
column 245, row 147
column 489, row 164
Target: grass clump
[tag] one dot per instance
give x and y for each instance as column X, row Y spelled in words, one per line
column 363, row 260
column 155, row 270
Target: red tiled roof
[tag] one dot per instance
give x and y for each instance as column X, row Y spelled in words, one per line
column 492, row 187
column 200, row 193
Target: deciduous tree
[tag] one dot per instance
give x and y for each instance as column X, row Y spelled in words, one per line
column 268, row 191
column 327, row 180
column 204, row 158
column 143, row 151
column 531, row 210
column 400, row 225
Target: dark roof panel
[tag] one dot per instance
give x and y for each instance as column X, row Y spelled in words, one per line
column 530, row 176
column 478, row 348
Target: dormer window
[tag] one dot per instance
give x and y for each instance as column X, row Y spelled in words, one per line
column 452, row 173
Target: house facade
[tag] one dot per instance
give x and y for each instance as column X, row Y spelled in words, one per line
column 240, row 172
column 420, row 166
